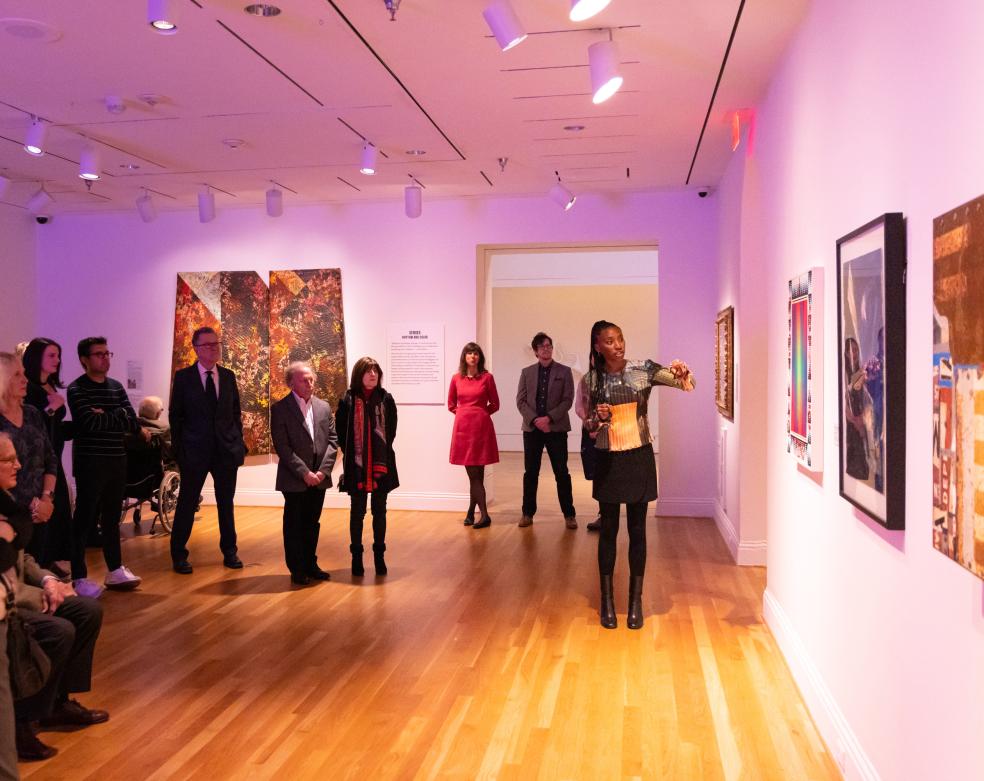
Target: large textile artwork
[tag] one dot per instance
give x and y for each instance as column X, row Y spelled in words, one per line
column 958, row 385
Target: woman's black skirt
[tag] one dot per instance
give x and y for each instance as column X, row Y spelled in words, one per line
column 625, row 476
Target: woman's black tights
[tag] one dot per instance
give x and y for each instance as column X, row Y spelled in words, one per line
column 476, row 490
column 635, row 515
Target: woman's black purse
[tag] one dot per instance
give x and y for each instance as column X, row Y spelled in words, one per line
column 29, row 664
column 589, row 455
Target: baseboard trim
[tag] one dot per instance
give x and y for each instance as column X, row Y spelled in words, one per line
column 833, row 726
column 690, row 508
column 750, row 553
column 398, row 500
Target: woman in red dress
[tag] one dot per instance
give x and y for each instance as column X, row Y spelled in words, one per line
column 472, row 398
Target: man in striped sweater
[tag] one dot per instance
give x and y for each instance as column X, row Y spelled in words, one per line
column 103, row 415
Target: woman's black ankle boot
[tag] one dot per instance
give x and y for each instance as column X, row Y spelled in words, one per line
column 377, row 554
column 634, row 620
column 357, row 569
column 608, row 618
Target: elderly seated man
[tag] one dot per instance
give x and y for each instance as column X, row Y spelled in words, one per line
column 65, row 625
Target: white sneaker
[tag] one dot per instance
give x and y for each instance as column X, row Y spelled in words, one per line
column 87, row 588
column 121, row 578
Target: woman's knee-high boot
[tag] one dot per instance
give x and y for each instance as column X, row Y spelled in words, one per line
column 377, row 553
column 357, row 569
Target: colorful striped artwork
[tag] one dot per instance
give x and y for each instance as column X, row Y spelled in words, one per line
column 804, row 359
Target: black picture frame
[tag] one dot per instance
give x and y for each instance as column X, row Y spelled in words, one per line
column 871, row 355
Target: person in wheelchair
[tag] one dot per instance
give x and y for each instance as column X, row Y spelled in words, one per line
column 151, row 469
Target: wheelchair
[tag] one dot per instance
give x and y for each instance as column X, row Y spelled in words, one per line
column 151, row 477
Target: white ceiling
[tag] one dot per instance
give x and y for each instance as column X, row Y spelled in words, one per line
column 304, row 88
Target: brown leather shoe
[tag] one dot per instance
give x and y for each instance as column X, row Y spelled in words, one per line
column 73, row 713
column 29, row 748
column 526, row 520
column 571, row 521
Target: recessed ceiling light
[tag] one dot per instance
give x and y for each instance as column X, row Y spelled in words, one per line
column 234, row 143
column 160, row 17
column 262, row 9
column 415, row 152
column 574, row 128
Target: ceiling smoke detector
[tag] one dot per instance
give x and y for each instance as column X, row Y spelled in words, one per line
column 150, row 98
column 262, row 9
column 234, row 143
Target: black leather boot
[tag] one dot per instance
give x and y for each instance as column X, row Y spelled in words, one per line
column 608, row 618
column 634, row 620
column 357, row 569
column 377, row 554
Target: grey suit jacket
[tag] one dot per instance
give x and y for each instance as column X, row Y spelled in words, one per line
column 299, row 454
column 560, row 396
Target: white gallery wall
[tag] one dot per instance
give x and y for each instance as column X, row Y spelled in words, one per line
column 876, row 108
column 118, row 279
column 18, row 251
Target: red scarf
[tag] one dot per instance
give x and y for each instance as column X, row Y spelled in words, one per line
column 371, row 449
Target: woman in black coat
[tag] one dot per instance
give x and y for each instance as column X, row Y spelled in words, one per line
column 366, row 425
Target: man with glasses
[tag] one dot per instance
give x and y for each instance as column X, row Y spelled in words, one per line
column 103, row 415
column 207, row 438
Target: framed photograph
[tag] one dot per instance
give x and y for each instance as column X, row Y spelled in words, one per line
column 958, row 385
column 724, row 362
column 871, row 356
column 804, row 359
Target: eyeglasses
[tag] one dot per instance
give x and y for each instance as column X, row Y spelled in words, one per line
column 209, row 345
column 101, row 354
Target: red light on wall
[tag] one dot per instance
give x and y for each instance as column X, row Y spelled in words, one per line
column 735, row 131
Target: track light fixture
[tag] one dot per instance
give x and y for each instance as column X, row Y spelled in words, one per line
column 585, row 9
column 34, row 140
column 206, row 204
column 368, row 166
column 562, row 196
column 39, row 201
column 160, row 17
column 89, row 163
column 413, row 197
column 603, row 63
column 274, row 202
column 146, row 207
column 504, row 24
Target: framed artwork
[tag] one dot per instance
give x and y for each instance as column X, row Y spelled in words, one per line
column 724, row 362
column 871, row 356
column 804, row 359
column 958, row 385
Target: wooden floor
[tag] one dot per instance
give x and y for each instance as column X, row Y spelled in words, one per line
column 478, row 656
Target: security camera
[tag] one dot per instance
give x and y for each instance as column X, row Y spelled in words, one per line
column 703, row 192
column 42, row 219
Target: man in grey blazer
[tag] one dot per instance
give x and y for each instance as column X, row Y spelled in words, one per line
column 304, row 437
column 544, row 399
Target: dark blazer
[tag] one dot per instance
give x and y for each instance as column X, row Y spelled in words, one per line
column 560, row 396
column 299, row 454
column 199, row 439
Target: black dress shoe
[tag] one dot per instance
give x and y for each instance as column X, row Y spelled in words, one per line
column 300, row 580
column 318, row 574
column 29, row 748
column 182, row 567
column 73, row 713
column 484, row 523
column 469, row 520
column 233, row 562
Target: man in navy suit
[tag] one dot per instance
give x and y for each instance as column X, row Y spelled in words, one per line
column 207, row 438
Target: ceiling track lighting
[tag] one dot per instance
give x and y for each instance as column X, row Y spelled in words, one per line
column 89, row 163
column 274, row 202
column 206, row 205
column 504, row 24
column 39, row 201
column 160, row 16
column 34, row 139
column 392, row 6
column 368, row 166
column 562, row 196
column 413, row 199
column 585, row 9
column 146, row 207
column 603, row 63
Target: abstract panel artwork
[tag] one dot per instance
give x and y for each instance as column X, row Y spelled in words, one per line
column 871, row 349
column 724, row 362
column 958, row 385
column 307, row 324
column 804, row 402
column 236, row 305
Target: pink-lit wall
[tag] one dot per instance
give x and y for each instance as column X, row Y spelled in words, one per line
column 17, row 264
column 876, row 108
column 122, row 276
